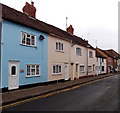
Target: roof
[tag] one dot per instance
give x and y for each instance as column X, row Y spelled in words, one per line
column 98, row 54
column 23, row 19
column 113, row 53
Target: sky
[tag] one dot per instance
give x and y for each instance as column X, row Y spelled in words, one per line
column 93, row 20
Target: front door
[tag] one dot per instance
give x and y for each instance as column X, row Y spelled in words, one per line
column 13, row 81
column 66, row 71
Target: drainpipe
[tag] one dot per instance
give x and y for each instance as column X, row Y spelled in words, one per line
column 87, row 59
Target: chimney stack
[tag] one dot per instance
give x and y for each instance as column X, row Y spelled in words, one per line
column 70, row 29
column 86, row 40
column 30, row 9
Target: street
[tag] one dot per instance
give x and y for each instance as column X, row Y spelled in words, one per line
column 101, row 95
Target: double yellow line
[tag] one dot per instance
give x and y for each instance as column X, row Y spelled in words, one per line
column 49, row 94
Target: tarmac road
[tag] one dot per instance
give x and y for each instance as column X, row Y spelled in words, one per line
column 97, row 96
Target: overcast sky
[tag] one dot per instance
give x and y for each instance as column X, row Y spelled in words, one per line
column 92, row 19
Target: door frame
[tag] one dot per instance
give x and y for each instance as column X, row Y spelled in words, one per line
column 14, row 62
column 66, row 78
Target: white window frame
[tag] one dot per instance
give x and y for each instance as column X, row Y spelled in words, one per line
column 83, row 68
column 80, row 52
column 91, row 55
column 33, row 68
column 32, row 45
column 60, row 46
column 57, row 72
column 88, row 68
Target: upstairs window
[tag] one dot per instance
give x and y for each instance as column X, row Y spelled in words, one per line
column 102, row 59
column 90, row 54
column 78, row 51
column 59, row 46
column 28, row 39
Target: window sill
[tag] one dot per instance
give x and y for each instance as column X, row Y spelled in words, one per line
column 28, row 45
column 78, row 54
column 59, row 51
column 54, row 74
column 82, row 71
column 90, row 57
column 31, row 76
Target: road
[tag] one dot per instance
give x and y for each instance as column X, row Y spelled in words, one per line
column 97, row 96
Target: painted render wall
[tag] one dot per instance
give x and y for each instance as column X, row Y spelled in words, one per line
column 99, row 65
column 68, row 56
column 56, row 57
column 77, row 60
column 92, row 61
column 13, row 50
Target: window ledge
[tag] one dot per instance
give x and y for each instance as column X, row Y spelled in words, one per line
column 78, row 54
column 30, row 76
column 28, row 45
column 57, row 74
column 82, row 71
column 59, row 51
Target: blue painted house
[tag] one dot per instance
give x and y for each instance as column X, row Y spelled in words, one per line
column 23, row 49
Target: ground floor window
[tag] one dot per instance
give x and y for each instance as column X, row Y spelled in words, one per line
column 82, row 68
column 89, row 68
column 57, row 69
column 33, row 70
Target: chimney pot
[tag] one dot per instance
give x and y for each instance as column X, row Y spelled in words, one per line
column 32, row 3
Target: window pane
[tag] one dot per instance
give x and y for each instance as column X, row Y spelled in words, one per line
column 37, row 69
column 62, row 47
column 32, row 40
column 32, row 71
column 56, row 68
column 23, row 38
column 28, row 41
column 81, row 68
column 59, row 46
column 13, row 70
column 56, row 45
column 28, row 69
column 59, row 69
column 53, row 69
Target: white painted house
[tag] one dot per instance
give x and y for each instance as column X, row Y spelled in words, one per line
column 100, row 63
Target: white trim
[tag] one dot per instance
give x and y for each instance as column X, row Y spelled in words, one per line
column 36, row 75
column 30, row 40
column 84, row 68
column 59, row 49
column 57, row 73
column 80, row 51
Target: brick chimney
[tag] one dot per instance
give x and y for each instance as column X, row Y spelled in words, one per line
column 86, row 40
column 70, row 29
column 30, row 9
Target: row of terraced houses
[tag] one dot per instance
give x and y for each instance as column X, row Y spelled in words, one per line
column 34, row 52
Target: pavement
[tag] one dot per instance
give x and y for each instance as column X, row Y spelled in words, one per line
column 21, row 94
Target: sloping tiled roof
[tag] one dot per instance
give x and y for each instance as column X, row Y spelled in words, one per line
column 113, row 53
column 23, row 19
column 98, row 54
